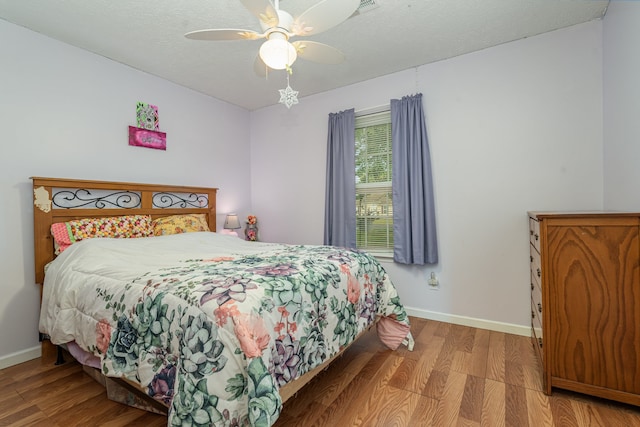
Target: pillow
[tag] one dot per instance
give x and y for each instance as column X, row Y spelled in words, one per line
column 391, row 332
column 176, row 224
column 128, row 226
column 61, row 238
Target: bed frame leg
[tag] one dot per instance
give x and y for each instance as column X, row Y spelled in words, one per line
column 60, row 358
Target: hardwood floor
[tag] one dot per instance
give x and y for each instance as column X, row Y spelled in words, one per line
column 456, row 375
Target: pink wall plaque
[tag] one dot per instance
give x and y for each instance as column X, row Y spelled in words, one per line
column 147, row 138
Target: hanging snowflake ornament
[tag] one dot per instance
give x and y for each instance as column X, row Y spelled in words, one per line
column 288, row 96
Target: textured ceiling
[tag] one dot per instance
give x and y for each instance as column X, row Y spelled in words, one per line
column 397, row 35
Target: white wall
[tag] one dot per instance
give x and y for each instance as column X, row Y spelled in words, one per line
column 512, row 128
column 622, row 106
column 64, row 112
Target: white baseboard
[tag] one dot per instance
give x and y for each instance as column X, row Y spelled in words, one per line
column 508, row 328
column 20, row 357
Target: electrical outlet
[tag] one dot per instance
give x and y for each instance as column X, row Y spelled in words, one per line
column 433, row 281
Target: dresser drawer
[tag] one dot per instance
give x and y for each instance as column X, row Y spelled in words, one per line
column 536, row 318
column 537, row 346
column 534, row 233
column 536, row 333
column 536, row 269
column 531, row 229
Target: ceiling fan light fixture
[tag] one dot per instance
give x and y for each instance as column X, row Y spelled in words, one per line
column 277, row 52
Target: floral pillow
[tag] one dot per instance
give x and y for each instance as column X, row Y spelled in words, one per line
column 176, row 224
column 129, row 226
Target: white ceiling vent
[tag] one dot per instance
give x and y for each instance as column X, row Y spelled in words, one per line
column 366, row 6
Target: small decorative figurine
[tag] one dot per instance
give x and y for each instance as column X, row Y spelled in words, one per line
column 251, row 230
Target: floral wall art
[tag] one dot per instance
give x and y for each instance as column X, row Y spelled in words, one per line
column 147, row 132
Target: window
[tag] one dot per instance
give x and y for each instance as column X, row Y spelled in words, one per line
column 374, row 209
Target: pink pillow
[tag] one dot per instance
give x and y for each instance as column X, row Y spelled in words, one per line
column 392, row 332
column 61, row 238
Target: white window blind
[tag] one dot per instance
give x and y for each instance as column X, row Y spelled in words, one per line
column 374, row 208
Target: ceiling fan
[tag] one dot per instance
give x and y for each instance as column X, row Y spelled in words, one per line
column 278, row 26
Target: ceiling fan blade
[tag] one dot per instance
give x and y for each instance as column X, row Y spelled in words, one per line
column 259, row 67
column 224, row 34
column 318, row 52
column 324, row 15
column 264, row 10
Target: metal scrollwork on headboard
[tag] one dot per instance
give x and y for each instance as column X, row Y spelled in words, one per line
column 82, row 198
column 165, row 200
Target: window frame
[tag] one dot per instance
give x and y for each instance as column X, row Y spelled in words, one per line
column 370, row 118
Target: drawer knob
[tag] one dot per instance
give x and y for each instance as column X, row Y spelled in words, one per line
column 539, row 272
column 536, row 236
column 530, row 258
column 540, row 307
column 533, row 314
column 540, row 342
column 531, row 286
column 531, row 232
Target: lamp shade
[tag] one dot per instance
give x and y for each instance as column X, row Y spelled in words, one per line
column 277, row 52
column 231, row 222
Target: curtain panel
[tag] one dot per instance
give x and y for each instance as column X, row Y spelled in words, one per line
column 414, row 222
column 340, row 192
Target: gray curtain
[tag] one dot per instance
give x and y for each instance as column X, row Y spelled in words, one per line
column 340, row 195
column 414, row 220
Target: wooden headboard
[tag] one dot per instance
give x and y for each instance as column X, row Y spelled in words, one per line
column 60, row 200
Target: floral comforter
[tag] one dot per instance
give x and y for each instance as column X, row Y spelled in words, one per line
column 210, row 324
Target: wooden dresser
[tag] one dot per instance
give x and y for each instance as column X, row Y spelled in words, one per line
column 585, row 301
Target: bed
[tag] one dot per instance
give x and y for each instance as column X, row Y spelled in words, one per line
column 219, row 330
